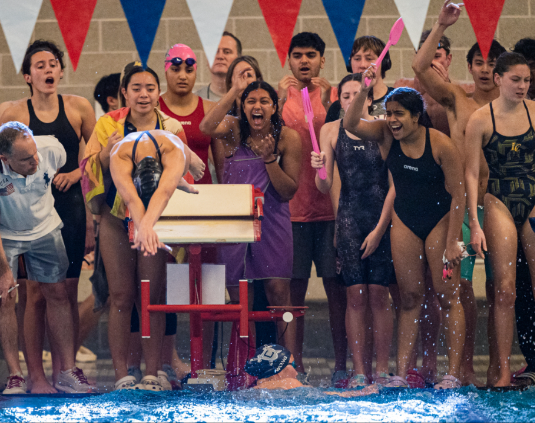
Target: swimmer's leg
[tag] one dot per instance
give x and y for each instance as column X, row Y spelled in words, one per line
column 448, row 295
column 501, row 235
column 120, row 263
column 430, row 321
column 409, row 264
column 356, row 327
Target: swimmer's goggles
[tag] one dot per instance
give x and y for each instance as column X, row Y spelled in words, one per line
column 177, row 61
column 448, row 273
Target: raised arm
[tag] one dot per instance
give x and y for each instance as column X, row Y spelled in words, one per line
column 328, row 138
column 353, row 122
column 444, row 92
column 450, row 161
column 216, row 122
column 475, row 133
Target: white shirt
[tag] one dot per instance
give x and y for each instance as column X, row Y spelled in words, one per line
column 26, row 203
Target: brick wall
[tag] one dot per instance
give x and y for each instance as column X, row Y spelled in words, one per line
column 109, row 44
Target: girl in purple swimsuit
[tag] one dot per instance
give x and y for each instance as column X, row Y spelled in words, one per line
column 260, row 150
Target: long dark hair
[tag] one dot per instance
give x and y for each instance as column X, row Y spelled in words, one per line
column 276, row 120
column 411, row 100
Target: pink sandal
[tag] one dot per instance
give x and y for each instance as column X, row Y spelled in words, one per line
column 448, row 382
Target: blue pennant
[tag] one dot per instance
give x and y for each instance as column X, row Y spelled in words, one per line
column 345, row 17
column 143, row 17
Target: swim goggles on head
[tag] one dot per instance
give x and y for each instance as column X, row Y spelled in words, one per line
column 177, row 61
column 447, row 273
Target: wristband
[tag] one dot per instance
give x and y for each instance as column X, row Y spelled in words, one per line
column 272, row 161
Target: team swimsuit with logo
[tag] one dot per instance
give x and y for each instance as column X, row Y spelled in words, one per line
column 364, row 177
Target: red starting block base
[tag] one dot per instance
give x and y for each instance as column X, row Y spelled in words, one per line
column 242, row 345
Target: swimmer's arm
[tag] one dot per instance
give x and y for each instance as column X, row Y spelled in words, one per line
column 334, row 192
column 121, row 168
column 328, row 137
column 450, row 161
column 216, row 122
column 388, row 207
column 285, row 178
column 88, row 118
column 353, row 122
column 473, row 142
column 173, row 164
column 441, row 91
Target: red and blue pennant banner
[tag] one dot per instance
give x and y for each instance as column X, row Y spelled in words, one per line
column 281, row 16
column 413, row 13
column 74, row 18
column 345, row 18
column 143, row 17
column 210, row 18
column 18, row 19
column 484, row 16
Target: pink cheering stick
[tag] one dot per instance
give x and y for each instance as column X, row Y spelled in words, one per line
column 309, row 117
column 395, row 34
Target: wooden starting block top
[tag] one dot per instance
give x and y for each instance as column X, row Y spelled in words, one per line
column 218, row 214
column 217, row 200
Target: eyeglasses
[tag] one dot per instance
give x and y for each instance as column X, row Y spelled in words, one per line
column 177, row 61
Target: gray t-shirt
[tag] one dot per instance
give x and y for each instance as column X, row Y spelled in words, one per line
column 207, row 94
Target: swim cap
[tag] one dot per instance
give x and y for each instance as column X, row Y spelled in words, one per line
column 269, row 360
column 182, row 51
column 147, row 172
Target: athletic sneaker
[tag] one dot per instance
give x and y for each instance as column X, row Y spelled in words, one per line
column 340, row 379
column 136, row 373
column 15, row 385
column 303, row 378
column 150, row 383
column 127, row 382
column 164, row 381
column 358, row 381
column 73, row 382
column 85, row 355
column 448, row 382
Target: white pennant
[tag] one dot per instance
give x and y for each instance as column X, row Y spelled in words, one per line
column 413, row 13
column 18, row 19
column 210, row 17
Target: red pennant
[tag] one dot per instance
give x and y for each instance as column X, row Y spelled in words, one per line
column 74, row 17
column 280, row 17
column 484, row 16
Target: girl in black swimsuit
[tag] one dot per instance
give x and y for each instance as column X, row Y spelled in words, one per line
column 510, row 198
column 427, row 218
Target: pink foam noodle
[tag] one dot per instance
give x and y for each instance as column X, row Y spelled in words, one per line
column 309, row 117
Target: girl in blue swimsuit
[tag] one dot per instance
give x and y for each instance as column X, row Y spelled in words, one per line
column 427, row 218
column 504, row 131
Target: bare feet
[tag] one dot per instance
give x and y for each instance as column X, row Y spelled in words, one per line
column 503, row 382
column 42, row 387
column 184, row 186
column 471, row 379
column 428, row 375
column 493, row 374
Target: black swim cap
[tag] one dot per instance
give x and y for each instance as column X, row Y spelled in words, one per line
column 146, row 178
column 269, row 360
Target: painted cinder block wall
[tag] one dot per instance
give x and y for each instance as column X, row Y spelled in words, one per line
column 109, row 44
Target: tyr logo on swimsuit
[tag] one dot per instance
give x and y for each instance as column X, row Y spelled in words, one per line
column 410, row 168
column 358, row 147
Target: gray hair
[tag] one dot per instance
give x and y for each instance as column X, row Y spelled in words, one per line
column 9, row 133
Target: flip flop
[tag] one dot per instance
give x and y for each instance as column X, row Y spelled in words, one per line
column 448, row 382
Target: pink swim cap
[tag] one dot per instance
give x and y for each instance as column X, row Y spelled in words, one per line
column 182, row 51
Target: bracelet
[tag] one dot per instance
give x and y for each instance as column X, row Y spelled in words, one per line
column 272, row 161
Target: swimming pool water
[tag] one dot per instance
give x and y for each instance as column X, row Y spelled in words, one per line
column 467, row 404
